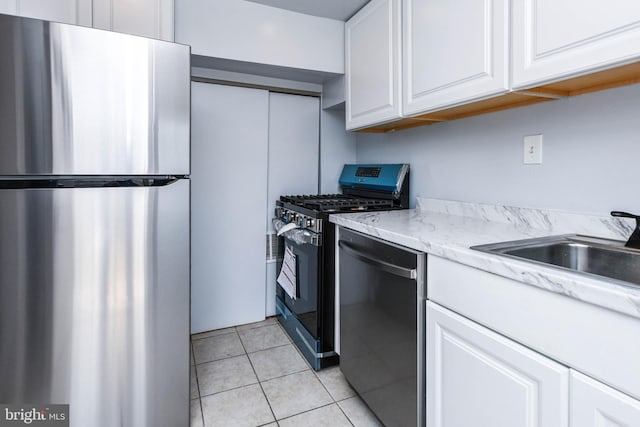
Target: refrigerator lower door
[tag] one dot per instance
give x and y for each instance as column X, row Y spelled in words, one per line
column 94, row 302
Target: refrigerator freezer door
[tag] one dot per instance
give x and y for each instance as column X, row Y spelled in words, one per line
column 80, row 101
column 94, row 302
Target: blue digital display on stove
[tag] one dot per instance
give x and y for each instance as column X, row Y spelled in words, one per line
column 383, row 177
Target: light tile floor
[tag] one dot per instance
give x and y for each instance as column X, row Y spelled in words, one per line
column 252, row 375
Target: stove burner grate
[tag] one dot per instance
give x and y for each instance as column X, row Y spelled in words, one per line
column 338, row 203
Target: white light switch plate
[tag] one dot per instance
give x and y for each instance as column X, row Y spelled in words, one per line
column 532, row 150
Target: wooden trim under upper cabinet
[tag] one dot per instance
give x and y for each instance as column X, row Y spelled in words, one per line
column 606, row 79
column 404, row 123
column 614, row 77
column 497, row 103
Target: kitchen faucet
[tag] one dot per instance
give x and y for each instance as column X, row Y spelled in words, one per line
column 634, row 239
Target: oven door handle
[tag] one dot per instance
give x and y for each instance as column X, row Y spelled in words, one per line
column 396, row 270
column 295, row 234
column 286, row 227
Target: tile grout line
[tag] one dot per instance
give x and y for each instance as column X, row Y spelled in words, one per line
column 232, row 329
column 195, row 370
column 259, row 382
column 231, row 389
column 316, row 375
column 270, row 348
column 225, row 358
column 244, row 328
column 213, row 336
column 311, row 410
column 295, row 347
column 344, row 413
column 309, row 368
column 285, row 375
column 222, row 358
column 333, row 398
column 245, row 350
column 324, row 386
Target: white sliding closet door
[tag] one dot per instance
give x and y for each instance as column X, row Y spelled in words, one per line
column 294, row 144
column 229, row 154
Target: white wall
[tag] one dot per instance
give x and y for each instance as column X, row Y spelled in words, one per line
column 337, row 147
column 591, row 155
column 251, row 32
column 333, row 93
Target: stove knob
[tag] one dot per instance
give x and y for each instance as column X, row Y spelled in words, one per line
column 309, row 223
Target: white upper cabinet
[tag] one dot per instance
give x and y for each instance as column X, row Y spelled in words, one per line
column 148, row 18
column 594, row 404
column 372, row 64
column 66, row 11
column 476, row 377
column 555, row 40
column 454, row 52
column 465, row 57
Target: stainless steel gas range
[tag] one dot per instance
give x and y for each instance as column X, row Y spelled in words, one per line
column 305, row 296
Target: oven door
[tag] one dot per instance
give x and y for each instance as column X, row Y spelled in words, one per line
column 307, row 248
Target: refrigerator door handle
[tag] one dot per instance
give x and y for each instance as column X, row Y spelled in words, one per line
column 17, row 183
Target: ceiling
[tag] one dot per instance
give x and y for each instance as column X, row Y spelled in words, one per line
column 341, row 10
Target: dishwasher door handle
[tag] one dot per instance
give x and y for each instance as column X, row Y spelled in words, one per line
column 396, row 270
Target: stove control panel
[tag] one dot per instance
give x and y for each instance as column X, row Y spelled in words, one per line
column 302, row 221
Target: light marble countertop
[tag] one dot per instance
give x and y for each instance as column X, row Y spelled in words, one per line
column 448, row 228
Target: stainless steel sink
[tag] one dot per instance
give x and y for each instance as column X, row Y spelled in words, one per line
column 582, row 254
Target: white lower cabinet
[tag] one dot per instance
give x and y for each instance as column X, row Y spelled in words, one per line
column 476, row 377
column 533, row 362
column 594, row 404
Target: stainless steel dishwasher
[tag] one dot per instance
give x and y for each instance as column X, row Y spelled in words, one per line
column 382, row 318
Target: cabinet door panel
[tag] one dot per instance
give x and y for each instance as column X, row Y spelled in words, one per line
column 66, row 11
column 148, row 18
column 8, row 7
column 372, row 43
column 477, row 377
column 546, row 48
column 454, row 51
column 594, row 404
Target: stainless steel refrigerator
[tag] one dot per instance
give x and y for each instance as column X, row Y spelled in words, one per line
column 94, row 223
